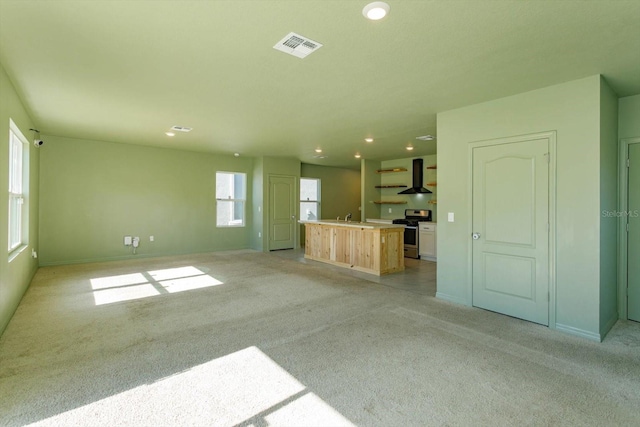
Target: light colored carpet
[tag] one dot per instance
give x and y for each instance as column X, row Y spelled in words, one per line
column 253, row 339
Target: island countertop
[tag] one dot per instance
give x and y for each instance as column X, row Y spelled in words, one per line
column 353, row 224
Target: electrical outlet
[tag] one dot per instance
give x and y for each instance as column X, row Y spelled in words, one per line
column 259, row 234
column 151, row 238
column 390, row 210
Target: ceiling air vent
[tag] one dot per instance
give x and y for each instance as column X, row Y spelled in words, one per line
column 297, row 45
column 181, row 128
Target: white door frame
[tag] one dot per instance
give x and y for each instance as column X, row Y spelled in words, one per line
column 551, row 137
column 623, row 205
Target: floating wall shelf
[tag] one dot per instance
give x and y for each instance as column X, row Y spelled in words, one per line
column 391, row 170
column 391, row 186
column 382, row 202
column 432, row 167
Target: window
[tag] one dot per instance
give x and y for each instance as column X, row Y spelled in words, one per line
column 230, row 197
column 309, row 198
column 18, row 169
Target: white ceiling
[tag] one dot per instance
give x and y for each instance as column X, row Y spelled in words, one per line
column 126, row 71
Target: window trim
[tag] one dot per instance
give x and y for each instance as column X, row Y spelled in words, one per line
column 18, row 191
column 243, row 200
column 317, row 202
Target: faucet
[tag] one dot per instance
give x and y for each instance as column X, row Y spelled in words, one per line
column 347, row 217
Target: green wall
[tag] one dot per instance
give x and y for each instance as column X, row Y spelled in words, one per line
column 573, row 111
column 339, row 191
column 368, row 192
column 15, row 275
column 94, row 193
column 257, row 240
column 413, row 201
column 609, row 203
column 629, row 117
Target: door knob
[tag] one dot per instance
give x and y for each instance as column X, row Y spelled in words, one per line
column 475, row 236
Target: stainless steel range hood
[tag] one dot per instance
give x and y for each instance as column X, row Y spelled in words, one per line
column 418, row 173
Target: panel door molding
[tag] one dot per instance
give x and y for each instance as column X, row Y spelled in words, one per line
column 282, row 212
column 512, row 226
column 629, row 230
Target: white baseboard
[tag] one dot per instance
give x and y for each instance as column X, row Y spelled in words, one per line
column 453, row 299
column 579, row 332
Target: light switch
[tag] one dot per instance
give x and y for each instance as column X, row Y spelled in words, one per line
column 127, row 240
column 451, row 217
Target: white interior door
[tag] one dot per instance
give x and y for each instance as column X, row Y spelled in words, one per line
column 510, row 224
column 282, row 212
column 633, row 240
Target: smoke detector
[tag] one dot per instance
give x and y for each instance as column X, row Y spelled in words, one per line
column 297, row 45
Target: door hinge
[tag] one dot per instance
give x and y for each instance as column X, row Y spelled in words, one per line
column 547, row 157
column 548, row 227
column 628, row 162
column 548, row 296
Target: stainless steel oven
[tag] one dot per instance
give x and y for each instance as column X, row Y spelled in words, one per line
column 411, row 219
column 411, row 242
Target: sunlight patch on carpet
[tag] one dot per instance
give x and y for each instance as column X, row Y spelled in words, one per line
column 127, row 287
column 243, row 387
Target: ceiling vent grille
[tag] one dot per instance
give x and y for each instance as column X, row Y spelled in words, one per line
column 181, row 128
column 297, row 45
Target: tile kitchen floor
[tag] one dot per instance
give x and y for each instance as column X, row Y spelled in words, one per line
column 419, row 276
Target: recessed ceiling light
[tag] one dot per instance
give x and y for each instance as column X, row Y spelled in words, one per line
column 409, row 148
column 169, row 133
column 368, row 139
column 426, row 137
column 376, row 10
column 318, row 150
column 236, row 154
column 357, row 156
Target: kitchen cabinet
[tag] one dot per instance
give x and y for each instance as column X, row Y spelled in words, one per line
column 427, row 242
column 366, row 247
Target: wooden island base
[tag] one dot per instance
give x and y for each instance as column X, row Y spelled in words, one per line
column 370, row 248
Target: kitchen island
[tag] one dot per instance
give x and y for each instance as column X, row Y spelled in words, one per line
column 372, row 248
